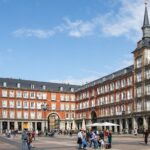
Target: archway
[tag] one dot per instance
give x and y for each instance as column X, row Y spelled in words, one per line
column 53, row 121
column 140, row 124
column 93, row 117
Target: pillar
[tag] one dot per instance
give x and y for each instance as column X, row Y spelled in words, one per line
column 120, row 123
column 134, row 123
column 8, row 125
column 15, row 124
column 145, row 122
column 0, row 126
column 35, row 126
column 115, row 128
column 126, row 126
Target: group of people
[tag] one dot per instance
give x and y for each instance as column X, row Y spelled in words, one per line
column 95, row 139
column 27, row 138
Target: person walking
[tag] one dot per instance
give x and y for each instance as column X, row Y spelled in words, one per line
column 146, row 136
column 29, row 141
column 24, row 138
column 110, row 139
column 80, row 138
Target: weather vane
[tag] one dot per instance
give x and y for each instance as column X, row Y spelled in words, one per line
column 146, row 2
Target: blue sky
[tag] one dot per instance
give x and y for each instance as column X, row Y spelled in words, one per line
column 67, row 41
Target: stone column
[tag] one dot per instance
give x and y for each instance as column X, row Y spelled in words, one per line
column 0, row 126
column 43, row 125
column 126, row 126
column 16, row 124
column 145, row 122
column 35, row 126
column 115, row 128
column 22, row 126
column 8, row 125
column 134, row 123
column 120, row 123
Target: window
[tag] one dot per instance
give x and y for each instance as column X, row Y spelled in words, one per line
column 4, row 103
column 19, row 104
column 139, row 91
column 112, row 98
column 147, row 56
column 148, row 89
column 117, row 97
column 72, row 89
column 117, row 84
column 39, row 95
column 39, row 105
column 25, row 115
column 32, row 115
column 53, row 96
column 111, row 86
column 39, row 115
column 72, row 97
column 138, row 62
column 32, row 95
column 72, row 107
column 18, row 94
column 129, row 94
column 4, row 113
column 18, row 85
column 44, row 96
column 53, row 106
column 62, row 97
column 32, row 86
column 44, row 87
column 129, row 81
column 148, row 105
column 11, row 93
column 62, row 107
column 139, row 106
column 139, row 77
column 25, row 94
column 32, row 105
column 11, row 104
column 93, row 103
column 147, row 74
column 123, row 83
column 12, row 114
column 4, row 93
column 61, row 88
column 19, row 114
column 67, row 97
column 67, row 106
column 4, row 84
column 93, row 92
column 25, row 105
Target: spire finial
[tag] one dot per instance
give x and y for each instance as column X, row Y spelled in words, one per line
column 146, row 2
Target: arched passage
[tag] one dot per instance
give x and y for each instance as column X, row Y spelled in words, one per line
column 93, row 117
column 53, row 121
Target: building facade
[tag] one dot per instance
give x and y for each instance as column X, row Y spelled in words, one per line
column 122, row 97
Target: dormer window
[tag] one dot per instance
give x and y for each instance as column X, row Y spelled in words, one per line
column 4, row 84
column 18, row 85
column 44, row 87
column 72, row 89
column 32, row 86
column 61, row 88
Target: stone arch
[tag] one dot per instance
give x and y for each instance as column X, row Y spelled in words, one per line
column 53, row 121
column 93, row 116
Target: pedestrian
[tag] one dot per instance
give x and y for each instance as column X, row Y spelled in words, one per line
column 110, row 139
column 24, row 138
column 146, row 136
column 135, row 131
column 79, row 139
column 102, row 144
column 29, row 141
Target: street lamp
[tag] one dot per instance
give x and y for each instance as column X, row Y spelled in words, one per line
column 44, row 107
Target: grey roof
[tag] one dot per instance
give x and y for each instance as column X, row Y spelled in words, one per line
column 108, row 77
column 26, row 84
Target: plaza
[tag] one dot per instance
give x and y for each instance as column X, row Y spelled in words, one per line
column 65, row 142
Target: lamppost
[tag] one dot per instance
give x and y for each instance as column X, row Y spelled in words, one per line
column 44, row 107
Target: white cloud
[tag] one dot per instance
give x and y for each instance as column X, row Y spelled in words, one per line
column 126, row 21
column 76, row 81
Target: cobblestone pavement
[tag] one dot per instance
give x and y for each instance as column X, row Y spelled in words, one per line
column 120, row 142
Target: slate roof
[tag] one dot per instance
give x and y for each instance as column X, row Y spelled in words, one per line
column 108, row 77
column 26, row 84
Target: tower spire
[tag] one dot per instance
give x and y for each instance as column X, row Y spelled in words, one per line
column 146, row 19
column 146, row 25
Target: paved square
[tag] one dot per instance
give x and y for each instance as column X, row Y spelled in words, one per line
column 120, row 142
